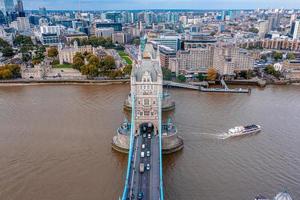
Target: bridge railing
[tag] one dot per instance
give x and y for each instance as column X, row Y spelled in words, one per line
column 130, row 153
column 161, row 186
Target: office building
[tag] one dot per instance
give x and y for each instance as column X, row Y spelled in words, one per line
column 21, row 24
column 115, row 26
column 104, row 32
column 172, row 42
column 264, row 28
column 118, row 37
column 229, row 59
column 7, row 6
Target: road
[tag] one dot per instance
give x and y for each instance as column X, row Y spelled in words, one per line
column 145, row 184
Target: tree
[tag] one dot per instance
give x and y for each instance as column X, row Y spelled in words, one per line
column 22, row 40
column 26, row 57
column 181, row 78
column 201, row 77
column 10, row 71
column 136, row 41
column 211, row 74
column 108, row 63
column 78, row 61
column 7, row 51
column 52, row 52
column 3, row 44
column 127, row 69
column 90, row 70
column 291, row 56
column 115, row 73
column 36, row 61
column 271, row 70
column 277, row 55
column 94, row 60
column 253, row 30
column 167, row 74
column 246, row 74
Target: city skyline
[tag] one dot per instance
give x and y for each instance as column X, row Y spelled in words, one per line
column 163, row 4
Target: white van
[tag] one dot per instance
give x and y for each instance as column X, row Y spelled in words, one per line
column 142, row 154
column 143, row 146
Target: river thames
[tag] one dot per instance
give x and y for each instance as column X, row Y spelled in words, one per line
column 55, row 144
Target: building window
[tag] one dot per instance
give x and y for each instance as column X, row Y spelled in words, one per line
column 146, row 102
column 146, row 113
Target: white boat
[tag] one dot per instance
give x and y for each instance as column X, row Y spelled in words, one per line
column 243, row 130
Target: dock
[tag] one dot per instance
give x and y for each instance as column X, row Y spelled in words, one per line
column 203, row 87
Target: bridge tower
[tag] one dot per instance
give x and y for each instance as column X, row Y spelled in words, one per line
column 147, row 88
column 144, row 170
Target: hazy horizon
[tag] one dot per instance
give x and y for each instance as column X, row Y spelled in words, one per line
column 157, row 4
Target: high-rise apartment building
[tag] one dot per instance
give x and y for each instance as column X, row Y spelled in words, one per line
column 296, row 29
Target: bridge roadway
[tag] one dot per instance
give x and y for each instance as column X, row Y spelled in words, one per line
column 146, row 182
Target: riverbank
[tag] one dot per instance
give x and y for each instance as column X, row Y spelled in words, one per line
column 16, row 82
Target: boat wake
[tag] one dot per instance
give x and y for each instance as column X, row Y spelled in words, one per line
column 221, row 136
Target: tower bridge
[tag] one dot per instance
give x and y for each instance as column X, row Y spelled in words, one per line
column 144, row 170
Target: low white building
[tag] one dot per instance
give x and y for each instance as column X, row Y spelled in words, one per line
column 104, row 32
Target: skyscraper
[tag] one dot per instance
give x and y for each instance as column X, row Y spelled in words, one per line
column 296, row 29
column 20, row 8
column 6, row 6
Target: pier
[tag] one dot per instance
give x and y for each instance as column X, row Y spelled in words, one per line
column 201, row 88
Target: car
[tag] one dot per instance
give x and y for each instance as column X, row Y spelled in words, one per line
column 143, row 146
column 144, row 135
column 142, row 154
column 148, row 166
column 148, row 153
column 149, row 136
column 140, row 195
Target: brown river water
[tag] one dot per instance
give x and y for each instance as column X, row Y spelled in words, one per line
column 55, row 144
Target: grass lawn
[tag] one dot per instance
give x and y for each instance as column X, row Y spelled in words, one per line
column 63, row 66
column 125, row 56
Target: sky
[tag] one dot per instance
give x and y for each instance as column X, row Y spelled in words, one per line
column 158, row 4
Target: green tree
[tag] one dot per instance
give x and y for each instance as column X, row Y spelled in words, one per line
column 78, row 61
column 181, row 78
column 115, row 73
column 201, row 77
column 52, row 52
column 253, row 30
column 26, row 57
column 7, row 51
column 107, row 64
column 246, row 74
column 277, row 55
column 271, row 70
column 94, row 60
column 136, row 41
column 167, row 74
column 90, row 70
column 3, row 44
column 127, row 69
column 291, row 56
column 22, row 40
